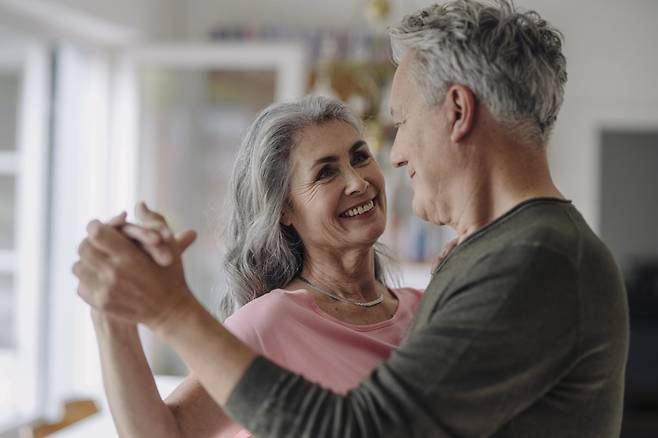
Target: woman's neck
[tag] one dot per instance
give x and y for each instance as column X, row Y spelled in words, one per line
column 349, row 274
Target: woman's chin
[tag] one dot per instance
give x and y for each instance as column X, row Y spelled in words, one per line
column 368, row 233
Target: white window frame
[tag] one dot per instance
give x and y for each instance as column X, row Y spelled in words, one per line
column 101, row 168
column 28, row 163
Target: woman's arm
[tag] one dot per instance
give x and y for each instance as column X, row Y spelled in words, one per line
column 135, row 404
column 197, row 414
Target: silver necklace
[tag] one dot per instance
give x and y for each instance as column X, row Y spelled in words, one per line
column 374, row 302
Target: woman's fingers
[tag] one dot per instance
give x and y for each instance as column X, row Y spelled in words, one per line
column 447, row 249
column 154, row 236
column 88, row 281
column 108, row 239
column 118, row 220
column 185, row 239
column 91, row 256
column 152, row 242
column 149, row 217
column 143, row 235
column 162, row 250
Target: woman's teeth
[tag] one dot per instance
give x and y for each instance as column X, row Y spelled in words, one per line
column 360, row 209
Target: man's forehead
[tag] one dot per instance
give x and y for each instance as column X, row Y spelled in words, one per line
column 397, row 91
column 403, row 72
column 392, row 101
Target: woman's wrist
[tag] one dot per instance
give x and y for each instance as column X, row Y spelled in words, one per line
column 184, row 309
column 108, row 324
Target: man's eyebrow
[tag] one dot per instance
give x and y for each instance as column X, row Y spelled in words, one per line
column 334, row 158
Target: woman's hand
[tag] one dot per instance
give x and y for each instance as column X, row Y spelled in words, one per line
column 447, row 249
column 153, row 234
column 119, row 279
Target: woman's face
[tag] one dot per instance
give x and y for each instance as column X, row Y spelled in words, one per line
column 337, row 193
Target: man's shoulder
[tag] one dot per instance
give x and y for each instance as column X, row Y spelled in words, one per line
column 537, row 227
column 539, row 233
column 539, row 244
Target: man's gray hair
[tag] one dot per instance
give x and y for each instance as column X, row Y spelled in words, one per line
column 261, row 253
column 512, row 60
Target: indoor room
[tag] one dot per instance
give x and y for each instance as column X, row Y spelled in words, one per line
column 106, row 104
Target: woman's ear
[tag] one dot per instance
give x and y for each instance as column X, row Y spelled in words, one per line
column 286, row 217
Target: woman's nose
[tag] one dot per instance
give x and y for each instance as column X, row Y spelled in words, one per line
column 355, row 183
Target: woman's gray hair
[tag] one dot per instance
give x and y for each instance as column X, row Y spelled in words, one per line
column 261, row 253
column 512, row 60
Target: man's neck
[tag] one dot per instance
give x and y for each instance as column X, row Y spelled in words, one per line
column 509, row 178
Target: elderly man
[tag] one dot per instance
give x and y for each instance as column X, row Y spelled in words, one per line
column 523, row 329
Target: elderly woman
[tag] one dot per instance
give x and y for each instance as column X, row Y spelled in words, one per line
column 307, row 205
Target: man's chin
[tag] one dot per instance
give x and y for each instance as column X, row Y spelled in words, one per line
column 420, row 211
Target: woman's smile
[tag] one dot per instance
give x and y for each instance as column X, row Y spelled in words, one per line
column 364, row 209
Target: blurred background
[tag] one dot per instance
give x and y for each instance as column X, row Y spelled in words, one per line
column 106, row 103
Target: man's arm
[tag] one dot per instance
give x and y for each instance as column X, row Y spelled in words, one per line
column 501, row 341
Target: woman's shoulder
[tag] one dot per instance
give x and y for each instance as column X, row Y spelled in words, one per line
column 269, row 307
column 409, row 293
column 408, row 301
column 258, row 320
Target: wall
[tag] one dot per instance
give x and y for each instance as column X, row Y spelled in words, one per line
column 629, row 201
column 101, row 23
column 612, row 63
column 610, row 47
column 155, row 18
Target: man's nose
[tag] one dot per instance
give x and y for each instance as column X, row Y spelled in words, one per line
column 395, row 157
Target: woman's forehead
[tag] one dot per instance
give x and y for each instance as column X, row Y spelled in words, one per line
column 334, row 137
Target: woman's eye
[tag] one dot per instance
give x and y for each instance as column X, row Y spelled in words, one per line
column 325, row 172
column 360, row 157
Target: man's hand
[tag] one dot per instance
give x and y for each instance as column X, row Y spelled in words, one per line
column 119, row 278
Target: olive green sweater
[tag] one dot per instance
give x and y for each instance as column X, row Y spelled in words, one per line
column 522, row 332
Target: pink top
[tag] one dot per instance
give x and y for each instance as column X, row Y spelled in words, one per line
column 290, row 329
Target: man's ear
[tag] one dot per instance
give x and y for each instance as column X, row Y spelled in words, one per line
column 461, row 108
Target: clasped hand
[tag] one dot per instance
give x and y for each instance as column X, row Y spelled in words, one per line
column 134, row 272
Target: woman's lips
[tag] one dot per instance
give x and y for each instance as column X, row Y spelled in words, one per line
column 359, row 210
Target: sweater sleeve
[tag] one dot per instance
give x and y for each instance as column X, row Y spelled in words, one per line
column 498, row 341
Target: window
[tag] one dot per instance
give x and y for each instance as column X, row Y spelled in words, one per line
column 23, row 71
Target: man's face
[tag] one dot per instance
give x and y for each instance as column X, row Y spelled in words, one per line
column 422, row 143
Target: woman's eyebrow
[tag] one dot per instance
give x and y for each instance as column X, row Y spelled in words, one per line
column 334, row 158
